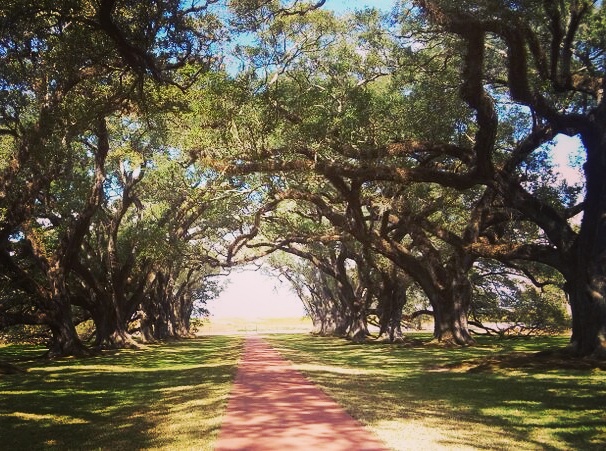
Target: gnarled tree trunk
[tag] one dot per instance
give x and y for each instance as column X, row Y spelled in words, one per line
column 111, row 329
column 392, row 299
column 65, row 340
column 588, row 285
column 451, row 307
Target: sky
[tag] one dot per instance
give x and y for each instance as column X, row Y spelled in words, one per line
column 567, row 148
column 253, row 294
column 351, row 5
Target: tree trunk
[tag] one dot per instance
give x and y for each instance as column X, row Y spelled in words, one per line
column 357, row 303
column 65, row 340
column 358, row 326
column 391, row 303
column 158, row 319
column 588, row 287
column 589, row 318
column 450, row 325
column 451, row 307
column 147, row 327
column 178, row 307
column 111, row 332
column 180, row 317
column 390, row 323
column 329, row 318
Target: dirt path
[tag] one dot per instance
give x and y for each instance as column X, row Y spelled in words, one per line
column 273, row 407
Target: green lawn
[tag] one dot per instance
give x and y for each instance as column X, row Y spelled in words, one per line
column 229, row 326
column 169, row 396
column 425, row 397
column 417, row 396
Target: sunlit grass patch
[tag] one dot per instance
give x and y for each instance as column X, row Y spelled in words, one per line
column 169, row 396
column 490, row 396
column 255, row 325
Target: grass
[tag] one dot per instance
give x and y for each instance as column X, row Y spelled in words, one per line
column 413, row 396
column 425, row 397
column 169, row 396
column 255, row 325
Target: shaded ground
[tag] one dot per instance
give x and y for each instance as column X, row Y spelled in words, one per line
column 499, row 394
column 543, row 361
column 273, row 407
column 166, row 397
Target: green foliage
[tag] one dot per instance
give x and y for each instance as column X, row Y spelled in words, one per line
column 506, row 303
column 365, row 125
column 25, row 334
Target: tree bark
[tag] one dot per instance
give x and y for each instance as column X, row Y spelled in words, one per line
column 328, row 316
column 588, row 284
column 451, row 308
column 111, row 331
column 358, row 325
column 391, row 302
column 65, row 340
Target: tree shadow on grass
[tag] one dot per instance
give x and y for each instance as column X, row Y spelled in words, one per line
column 413, row 400
column 162, row 397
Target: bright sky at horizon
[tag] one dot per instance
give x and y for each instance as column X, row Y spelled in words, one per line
column 253, row 294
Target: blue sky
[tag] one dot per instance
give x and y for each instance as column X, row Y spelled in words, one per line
column 344, row 5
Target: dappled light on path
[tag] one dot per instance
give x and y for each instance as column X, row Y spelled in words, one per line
column 273, row 407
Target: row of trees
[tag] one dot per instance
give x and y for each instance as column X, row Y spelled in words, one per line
column 423, row 141
column 98, row 219
column 400, row 160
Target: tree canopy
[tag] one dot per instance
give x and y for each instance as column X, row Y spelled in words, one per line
column 391, row 164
